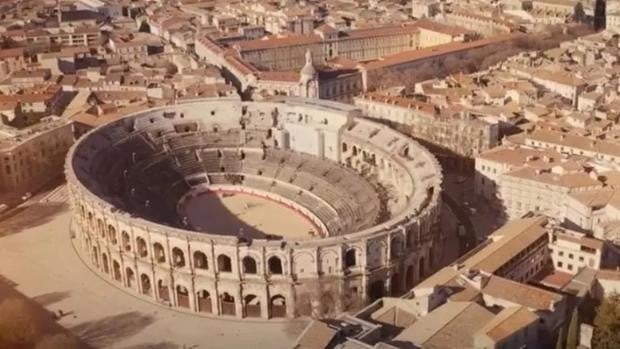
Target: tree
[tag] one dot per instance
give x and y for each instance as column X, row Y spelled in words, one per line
column 579, row 14
column 607, row 324
column 573, row 331
column 17, row 325
column 58, row 341
column 559, row 344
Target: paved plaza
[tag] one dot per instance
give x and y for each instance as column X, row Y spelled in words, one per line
column 36, row 255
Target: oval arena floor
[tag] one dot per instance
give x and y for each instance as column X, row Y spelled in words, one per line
column 245, row 215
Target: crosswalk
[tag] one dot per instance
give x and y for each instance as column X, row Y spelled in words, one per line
column 59, row 194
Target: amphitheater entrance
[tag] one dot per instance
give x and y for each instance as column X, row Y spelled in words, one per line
column 278, row 306
column 182, row 297
column 204, row 301
column 227, row 304
column 245, row 215
column 251, row 304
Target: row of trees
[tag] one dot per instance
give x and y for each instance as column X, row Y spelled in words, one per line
column 19, row 328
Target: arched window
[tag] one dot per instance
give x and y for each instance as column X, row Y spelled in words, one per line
column 349, row 258
column 112, row 234
column 145, row 283
column 116, row 267
column 182, row 296
column 227, row 304
column 224, row 264
column 100, row 227
column 160, row 255
column 251, row 305
column 142, row 250
column 204, row 301
column 275, row 265
column 162, row 290
column 249, row 265
column 126, row 241
column 131, row 278
column 200, row 260
column 178, row 258
column 345, row 147
column 104, row 261
column 278, row 306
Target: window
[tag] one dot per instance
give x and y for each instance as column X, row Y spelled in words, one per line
column 275, row 265
column 560, row 264
column 569, row 266
column 224, row 264
column 570, row 256
column 560, row 253
column 581, row 258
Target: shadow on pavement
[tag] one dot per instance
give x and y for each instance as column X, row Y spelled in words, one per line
column 111, row 329
column 51, row 298
column 161, row 345
column 27, row 217
column 40, row 318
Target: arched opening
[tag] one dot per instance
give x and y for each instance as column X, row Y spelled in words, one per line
column 182, row 297
column 421, row 270
column 277, row 304
column 224, row 264
column 101, row 228
column 145, row 284
column 200, row 260
column 376, row 290
column 131, row 277
column 275, row 265
column 354, row 151
column 249, row 265
column 116, row 267
column 251, row 305
column 141, row 245
column 395, row 281
column 178, row 258
column 162, row 291
column 104, row 261
column 345, row 147
column 349, row 258
column 95, row 256
column 158, row 251
column 126, row 241
column 204, row 301
column 410, row 276
column 112, row 234
column 227, row 304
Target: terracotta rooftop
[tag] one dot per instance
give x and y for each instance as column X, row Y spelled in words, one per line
column 528, row 296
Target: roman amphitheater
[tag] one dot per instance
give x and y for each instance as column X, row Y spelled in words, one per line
column 262, row 210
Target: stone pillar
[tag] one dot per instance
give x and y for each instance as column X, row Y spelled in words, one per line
column 239, row 303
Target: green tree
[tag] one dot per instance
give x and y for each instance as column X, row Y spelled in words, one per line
column 607, row 324
column 559, row 344
column 579, row 15
column 573, row 331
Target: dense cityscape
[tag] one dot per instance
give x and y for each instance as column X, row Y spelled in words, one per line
column 310, row 174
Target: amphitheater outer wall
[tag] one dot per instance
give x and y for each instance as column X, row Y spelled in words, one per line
column 206, row 274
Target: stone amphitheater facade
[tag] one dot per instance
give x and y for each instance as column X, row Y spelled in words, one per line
column 374, row 193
